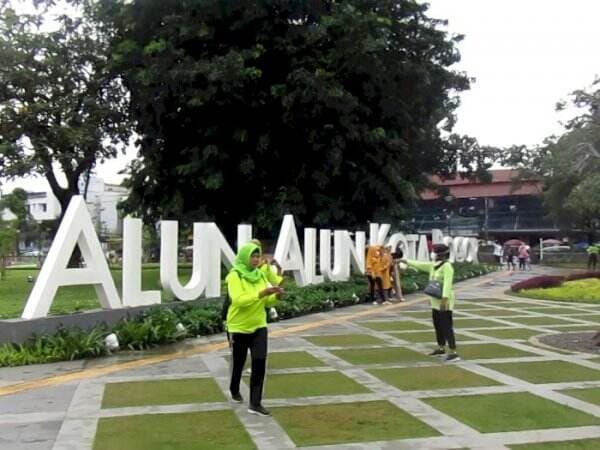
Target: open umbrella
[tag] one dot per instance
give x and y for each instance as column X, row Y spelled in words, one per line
column 513, row 242
column 551, row 242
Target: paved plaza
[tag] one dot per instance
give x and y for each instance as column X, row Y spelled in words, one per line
column 361, row 366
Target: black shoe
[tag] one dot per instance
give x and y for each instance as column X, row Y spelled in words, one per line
column 453, row 357
column 437, row 352
column 237, row 398
column 259, row 410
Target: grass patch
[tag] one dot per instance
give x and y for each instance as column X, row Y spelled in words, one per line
column 579, row 444
column 418, row 314
column 286, row 360
column 588, row 317
column 520, row 305
column 586, row 291
column 476, row 323
column 384, row 355
column 547, row 371
column 509, row 333
column 344, row 340
column 488, row 351
column 495, row 312
column 426, row 378
column 311, row 384
column 510, row 412
column 161, row 392
column 15, row 289
column 188, row 431
column 575, row 328
column 426, row 336
column 556, row 311
column 590, row 395
column 540, row 321
column 292, row 360
column 349, row 422
column 394, row 325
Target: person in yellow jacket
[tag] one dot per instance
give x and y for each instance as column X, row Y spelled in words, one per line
column 441, row 269
column 250, row 294
column 593, row 252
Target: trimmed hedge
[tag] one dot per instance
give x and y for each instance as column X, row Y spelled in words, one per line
column 159, row 325
column 582, row 275
column 543, row 281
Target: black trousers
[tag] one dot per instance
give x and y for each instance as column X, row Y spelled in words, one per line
column 444, row 331
column 257, row 344
column 373, row 281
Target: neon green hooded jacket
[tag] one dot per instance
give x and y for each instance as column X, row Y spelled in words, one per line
column 247, row 311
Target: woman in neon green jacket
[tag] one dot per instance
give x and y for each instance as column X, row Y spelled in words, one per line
column 250, row 293
column 441, row 269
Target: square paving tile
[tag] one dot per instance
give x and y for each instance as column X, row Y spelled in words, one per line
column 520, row 305
column 349, row 422
column 579, row 444
column 495, row 312
column 435, row 377
column 384, row 355
column 490, row 350
column 589, row 317
column 547, row 371
column 418, row 314
column 590, row 395
column 510, row 412
column 291, row 360
column 311, row 384
column 574, row 328
column 343, row 340
column 510, row 333
column 395, row 325
column 161, row 392
column 186, row 431
column 540, row 320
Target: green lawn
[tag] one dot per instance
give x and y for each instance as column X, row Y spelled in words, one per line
column 509, row 333
column 386, row 355
column 426, row 336
column 510, row 412
column 187, row 431
column 349, row 422
column 579, row 444
column 427, row 378
column 489, row 351
column 161, row 392
column 15, row 289
column 590, row 395
column 311, row 384
column 547, row 371
column 396, row 325
column 343, row 340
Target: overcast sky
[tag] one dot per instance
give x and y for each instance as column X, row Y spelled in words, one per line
column 525, row 56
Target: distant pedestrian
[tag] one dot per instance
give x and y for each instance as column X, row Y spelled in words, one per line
column 375, row 273
column 523, row 254
column 593, row 250
column 498, row 252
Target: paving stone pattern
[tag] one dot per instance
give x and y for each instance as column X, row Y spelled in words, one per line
column 65, row 417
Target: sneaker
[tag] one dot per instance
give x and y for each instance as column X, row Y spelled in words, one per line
column 237, row 398
column 437, row 352
column 387, row 302
column 453, row 357
column 376, row 303
column 259, row 410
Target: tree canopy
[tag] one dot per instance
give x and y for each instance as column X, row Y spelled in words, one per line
column 248, row 110
column 61, row 109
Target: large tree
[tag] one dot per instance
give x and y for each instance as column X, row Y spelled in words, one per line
column 61, row 108
column 247, row 110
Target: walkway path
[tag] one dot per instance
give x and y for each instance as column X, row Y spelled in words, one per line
column 58, row 406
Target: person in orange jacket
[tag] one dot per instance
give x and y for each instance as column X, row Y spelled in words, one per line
column 375, row 269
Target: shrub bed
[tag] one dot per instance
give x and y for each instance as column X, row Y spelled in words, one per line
column 161, row 325
column 544, row 281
